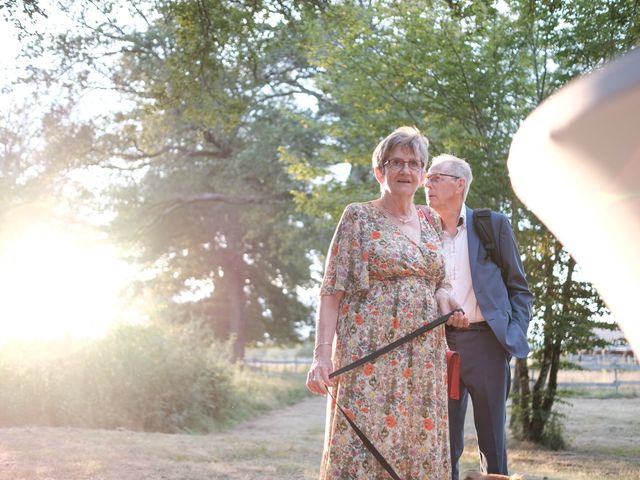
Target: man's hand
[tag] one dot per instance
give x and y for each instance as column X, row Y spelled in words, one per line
column 458, row 320
column 446, row 304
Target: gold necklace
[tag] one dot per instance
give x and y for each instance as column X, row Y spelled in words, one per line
column 404, row 222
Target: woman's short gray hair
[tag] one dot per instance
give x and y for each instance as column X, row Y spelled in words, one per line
column 407, row 137
column 455, row 166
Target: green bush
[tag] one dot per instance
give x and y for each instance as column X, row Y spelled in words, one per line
column 553, row 435
column 138, row 378
column 145, row 379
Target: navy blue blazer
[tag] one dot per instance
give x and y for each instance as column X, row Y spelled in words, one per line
column 505, row 305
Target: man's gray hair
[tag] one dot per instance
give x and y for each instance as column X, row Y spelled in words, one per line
column 455, row 166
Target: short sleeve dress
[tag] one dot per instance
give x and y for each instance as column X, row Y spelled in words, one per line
column 400, row 399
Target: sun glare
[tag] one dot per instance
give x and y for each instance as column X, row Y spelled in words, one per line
column 57, row 284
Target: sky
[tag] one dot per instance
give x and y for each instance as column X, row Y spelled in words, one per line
column 8, row 52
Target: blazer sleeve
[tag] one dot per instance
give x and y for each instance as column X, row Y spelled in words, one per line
column 514, row 277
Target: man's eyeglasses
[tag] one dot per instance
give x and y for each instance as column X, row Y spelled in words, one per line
column 397, row 164
column 437, row 177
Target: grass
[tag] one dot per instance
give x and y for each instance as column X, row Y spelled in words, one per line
column 287, row 445
column 249, row 443
column 259, row 391
column 598, row 376
column 601, row 393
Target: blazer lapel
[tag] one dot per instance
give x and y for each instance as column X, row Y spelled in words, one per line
column 473, row 241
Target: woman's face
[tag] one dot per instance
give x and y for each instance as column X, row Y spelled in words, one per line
column 402, row 172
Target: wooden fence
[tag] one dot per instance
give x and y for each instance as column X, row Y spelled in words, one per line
column 596, row 374
column 296, row 364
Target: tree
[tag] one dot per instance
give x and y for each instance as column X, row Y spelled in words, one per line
column 206, row 207
column 12, row 10
column 562, row 40
column 447, row 71
column 27, row 174
column 467, row 73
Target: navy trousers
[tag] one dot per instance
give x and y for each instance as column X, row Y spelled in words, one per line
column 485, row 376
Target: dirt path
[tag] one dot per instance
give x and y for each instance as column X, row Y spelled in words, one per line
column 286, row 445
column 282, row 445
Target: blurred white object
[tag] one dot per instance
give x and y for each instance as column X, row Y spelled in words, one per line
column 575, row 162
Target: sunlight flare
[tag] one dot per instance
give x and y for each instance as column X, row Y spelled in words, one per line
column 58, row 284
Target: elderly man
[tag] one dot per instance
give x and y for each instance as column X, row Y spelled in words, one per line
column 498, row 305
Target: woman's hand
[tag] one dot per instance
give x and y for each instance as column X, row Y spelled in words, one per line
column 446, row 304
column 318, row 376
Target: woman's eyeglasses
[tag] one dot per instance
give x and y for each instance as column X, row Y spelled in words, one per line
column 397, row 164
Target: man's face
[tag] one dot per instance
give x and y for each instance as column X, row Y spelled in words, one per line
column 443, row 187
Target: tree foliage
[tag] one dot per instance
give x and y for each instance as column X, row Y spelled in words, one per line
column 467, row 73
column 207, row 209
column 563, row 40
column 13, row 10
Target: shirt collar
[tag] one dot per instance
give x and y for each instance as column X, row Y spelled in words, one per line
column 462, row 217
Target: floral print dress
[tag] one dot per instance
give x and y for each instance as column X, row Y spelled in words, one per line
column 400, row 399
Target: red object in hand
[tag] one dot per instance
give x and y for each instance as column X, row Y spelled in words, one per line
column 453, row 375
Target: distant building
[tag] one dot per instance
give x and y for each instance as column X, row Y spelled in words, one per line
column 618, row 348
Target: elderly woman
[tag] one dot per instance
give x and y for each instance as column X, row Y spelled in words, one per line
column 385, row 277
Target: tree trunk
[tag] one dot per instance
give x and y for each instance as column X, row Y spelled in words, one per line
column 531, row 415
column 535, row 407
column 237, row 312
column 538, row 417
column 521, row 414
column 557, row 344
column 235, row 280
